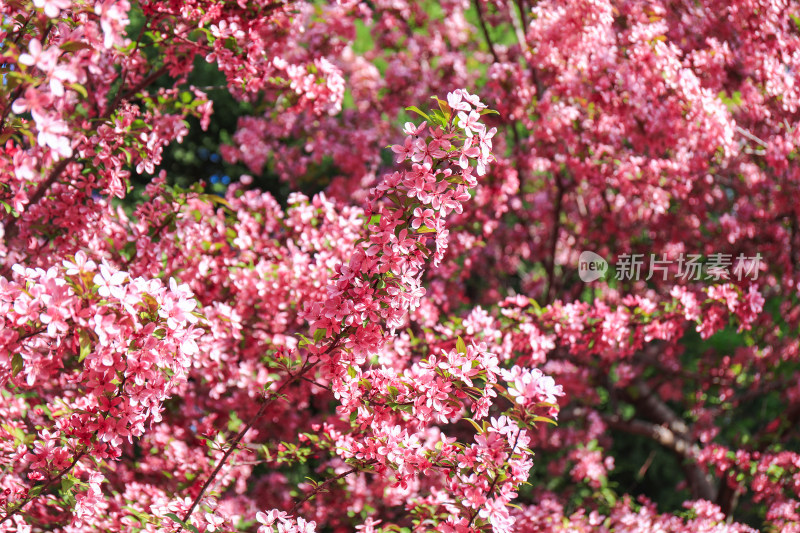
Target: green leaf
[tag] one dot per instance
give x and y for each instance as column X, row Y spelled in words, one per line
column 86, row 345
column 319, row 334
column 489, row 112
column 444, row 106
column 438, row 118
column 461, row 346
column 74, row 46
column 544, row 419
column 16, row 364
column 137, row 514
column 78, row 88
column 14, row 78
column 417, row 110
column 475, row 425
column 425, row 229
column 67, row 483
column 174, row 518
column 609, row 495
column 128, row 154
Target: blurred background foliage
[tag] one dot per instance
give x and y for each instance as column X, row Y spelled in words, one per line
column 197, row 158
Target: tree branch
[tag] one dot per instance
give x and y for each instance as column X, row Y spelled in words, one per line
column 485, row 30
column 261, row 410
column 11, row 227
column 649, row 405
column 551, row 259
column 319, row 488
column 685, row 448
column 47, row 485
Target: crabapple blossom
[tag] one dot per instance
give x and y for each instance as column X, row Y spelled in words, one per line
column 388, row 345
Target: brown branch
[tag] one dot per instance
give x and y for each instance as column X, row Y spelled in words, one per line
column 488, row 494
column 649, row 405
column 320, row 385
column 727, row 496
column 485, row 30
column 234, row 445
column 519, row 28
column 11, row 226
column 699, row 483
column 518, row 23
column 30, row 334
column 551, row 259
column 522, row 16
column 319, row 488
column 118, row 96
column 145, row 82
column 266, row 403
column 658, row 433
column 41, row 190
column 675, row 441
column 47, row 485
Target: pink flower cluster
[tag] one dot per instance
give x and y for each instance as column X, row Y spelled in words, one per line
column 119, row 346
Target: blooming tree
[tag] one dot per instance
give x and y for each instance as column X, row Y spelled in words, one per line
column 411, row 348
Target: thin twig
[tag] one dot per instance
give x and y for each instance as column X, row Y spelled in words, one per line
column 11, row 226
column 751, row 136
column 551, row 259
column 18, row 92
column 234, row 445
column 267, row 402
column 319, row 488
column 118, row 96
column 47, row 485
column 494, row 481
